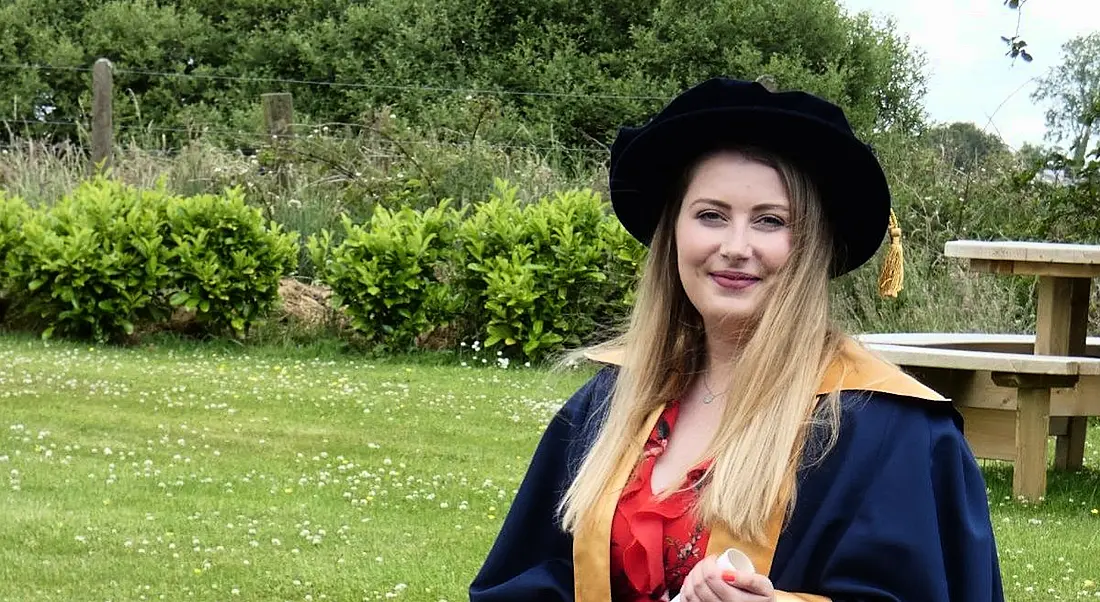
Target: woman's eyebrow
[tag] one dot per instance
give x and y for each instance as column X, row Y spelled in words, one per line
column 772, row 207
column 708, row 201
column 725, row 205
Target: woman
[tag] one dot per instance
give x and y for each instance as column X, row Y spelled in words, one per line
column 731, row 413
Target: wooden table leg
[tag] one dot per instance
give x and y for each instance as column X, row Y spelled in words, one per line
column 1062, row 329
column 1029, row 473
column 1055, row 322
column 1069, row 451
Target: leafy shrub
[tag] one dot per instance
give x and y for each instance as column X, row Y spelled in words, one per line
column 13, row 211
column 110, row 257
column 530, row 278
column 93, row 264
column 624, row 258
column 225, row 260
column 537, row 277
column 390, row 274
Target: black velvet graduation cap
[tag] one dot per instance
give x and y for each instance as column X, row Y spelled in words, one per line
column 648, row 162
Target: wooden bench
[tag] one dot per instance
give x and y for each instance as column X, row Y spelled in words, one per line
column 1010, row 398
column 1007, row 343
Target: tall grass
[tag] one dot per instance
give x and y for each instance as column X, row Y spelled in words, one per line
column 940, row 295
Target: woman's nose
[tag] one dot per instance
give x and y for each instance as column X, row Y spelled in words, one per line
column 736, row 244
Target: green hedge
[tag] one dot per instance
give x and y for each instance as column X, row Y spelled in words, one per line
column 388, row 275
column 225, row 260
column 110, row 258
column 526, row 279
column 536, row 276
column 92, row 264
column 13, row 211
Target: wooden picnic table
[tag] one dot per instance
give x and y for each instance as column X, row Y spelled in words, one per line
column 1010, row 398
column 1065, row 273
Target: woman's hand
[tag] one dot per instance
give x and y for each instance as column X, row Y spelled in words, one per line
column 708, row 583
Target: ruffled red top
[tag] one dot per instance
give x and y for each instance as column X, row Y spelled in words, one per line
column 655, row 544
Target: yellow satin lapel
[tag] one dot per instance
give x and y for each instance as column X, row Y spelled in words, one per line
column 592, row 541
column 797, row 597
column 761, row 555
column 855, row 368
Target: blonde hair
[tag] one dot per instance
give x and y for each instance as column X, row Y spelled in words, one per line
column 758, row 447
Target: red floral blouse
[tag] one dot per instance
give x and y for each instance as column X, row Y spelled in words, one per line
column 654, row 545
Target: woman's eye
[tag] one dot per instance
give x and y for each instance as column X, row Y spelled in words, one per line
column 773, row 221
column 709, row 216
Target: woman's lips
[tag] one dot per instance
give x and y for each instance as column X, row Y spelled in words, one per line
column 733, row 280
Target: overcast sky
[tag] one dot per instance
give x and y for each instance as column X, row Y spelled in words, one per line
column 969, row 74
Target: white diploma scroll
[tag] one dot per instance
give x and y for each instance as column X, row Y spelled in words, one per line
column 731, row 559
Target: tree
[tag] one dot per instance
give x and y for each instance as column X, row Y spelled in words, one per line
column 537, row 71
column 805, row 44
column 1073, row 88
column 964, row 145
column 1068, row 183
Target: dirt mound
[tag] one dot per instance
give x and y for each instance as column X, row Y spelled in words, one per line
column 305, row 302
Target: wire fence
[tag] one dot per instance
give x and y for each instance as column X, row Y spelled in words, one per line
column 324, row 131
column 332, row 84
column 309, row 132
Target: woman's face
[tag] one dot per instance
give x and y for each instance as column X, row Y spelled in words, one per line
column 732, row 236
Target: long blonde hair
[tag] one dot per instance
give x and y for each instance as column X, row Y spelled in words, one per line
column 771, row 401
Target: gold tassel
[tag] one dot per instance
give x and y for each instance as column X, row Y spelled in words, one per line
column 893, row 268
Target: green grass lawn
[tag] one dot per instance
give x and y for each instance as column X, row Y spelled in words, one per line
column 213, row 473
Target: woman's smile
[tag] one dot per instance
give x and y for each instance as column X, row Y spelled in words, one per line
column 734, row 281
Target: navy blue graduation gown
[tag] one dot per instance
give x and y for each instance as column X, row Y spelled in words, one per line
column 897, row 511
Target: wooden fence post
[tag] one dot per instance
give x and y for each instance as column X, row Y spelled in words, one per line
column 103, row 132
column 278, row 119
column 278, row 113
